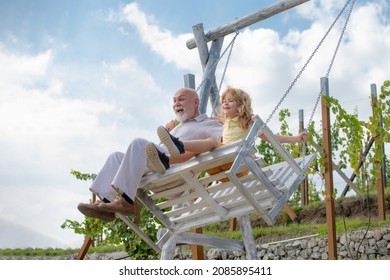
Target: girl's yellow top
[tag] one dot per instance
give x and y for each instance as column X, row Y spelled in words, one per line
column 232, row 132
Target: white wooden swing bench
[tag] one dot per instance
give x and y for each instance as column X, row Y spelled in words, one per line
column 193, row 201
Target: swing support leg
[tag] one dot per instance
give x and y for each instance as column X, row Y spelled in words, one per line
column 291, row 213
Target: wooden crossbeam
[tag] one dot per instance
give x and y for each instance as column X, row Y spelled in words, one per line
column 248, row 20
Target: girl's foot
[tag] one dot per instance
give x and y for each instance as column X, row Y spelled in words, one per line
column 173, row 144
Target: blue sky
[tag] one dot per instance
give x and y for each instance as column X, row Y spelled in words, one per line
column 80, row 79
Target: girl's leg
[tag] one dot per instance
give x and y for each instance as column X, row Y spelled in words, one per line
column 201, row 145
column 177, row 147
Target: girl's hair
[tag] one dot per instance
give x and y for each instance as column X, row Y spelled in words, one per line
column 244, row 106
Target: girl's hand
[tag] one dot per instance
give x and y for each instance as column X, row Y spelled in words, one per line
column 170, row 125
column 302, row 137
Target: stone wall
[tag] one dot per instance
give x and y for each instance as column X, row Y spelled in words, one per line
column 372, row 244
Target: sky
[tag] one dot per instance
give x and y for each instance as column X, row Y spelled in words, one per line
column 81, row 79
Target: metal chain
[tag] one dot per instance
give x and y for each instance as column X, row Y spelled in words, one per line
column 231, row 44
column 303, row 69
column 227, row 62
column 329, row 69
column 333, row 59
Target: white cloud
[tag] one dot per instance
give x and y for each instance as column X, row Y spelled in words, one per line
column 172, row 48
column 23, row 69
column 46, row 133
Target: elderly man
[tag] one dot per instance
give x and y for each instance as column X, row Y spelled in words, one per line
column 122, row 172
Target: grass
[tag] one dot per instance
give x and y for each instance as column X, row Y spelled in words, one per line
column 280, row 233
column 57, row 251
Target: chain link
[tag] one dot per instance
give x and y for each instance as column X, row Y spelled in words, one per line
column 329, row 69
column 229, row 46
column 304, row 67
column 333, row 58
column 227, row 62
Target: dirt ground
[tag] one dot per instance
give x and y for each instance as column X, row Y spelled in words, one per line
column 351, row 207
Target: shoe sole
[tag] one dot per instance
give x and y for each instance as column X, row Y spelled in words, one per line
column 95, row 213
column 152, row 154
column 106, row 209
column 166, row 139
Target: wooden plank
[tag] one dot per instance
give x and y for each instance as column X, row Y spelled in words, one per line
column 205, row 216
column 197, row 250
column 291, row 213
column 328, row 176
column 149, row 203
column 263, row 178
column 211, row 241
column 84, row 249
column 199, row 190
column 248, row 20
column 233, row 224
column 139, row 232
column 247, row 237
column 280, row 148
column 232, row 200
column 340, row 172
column 221, row 195
column 203, row 51
column 218, row 155
column 209, row 73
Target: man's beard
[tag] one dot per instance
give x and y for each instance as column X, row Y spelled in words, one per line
column 182, row 118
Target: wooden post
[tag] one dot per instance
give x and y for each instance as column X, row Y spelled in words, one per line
column 87, row 241
column 361, row 161
column 209, row 74
column 291, row 213
column 197, row 251
column 189, row 81
column 329, row 200
column 203, row 51
column 381, row 178
column 233, row 224
column 304, row 184
column 84, row 249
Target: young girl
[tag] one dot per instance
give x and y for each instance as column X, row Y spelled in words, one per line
column 235, row 114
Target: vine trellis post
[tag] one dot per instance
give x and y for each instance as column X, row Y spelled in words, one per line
column 382, row 178
column 328, row 175
column 305, row 184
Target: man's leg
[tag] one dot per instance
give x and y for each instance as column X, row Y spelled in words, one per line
column 127, row 180
column 102, row 183
column 101, row 186
column 132, row 168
